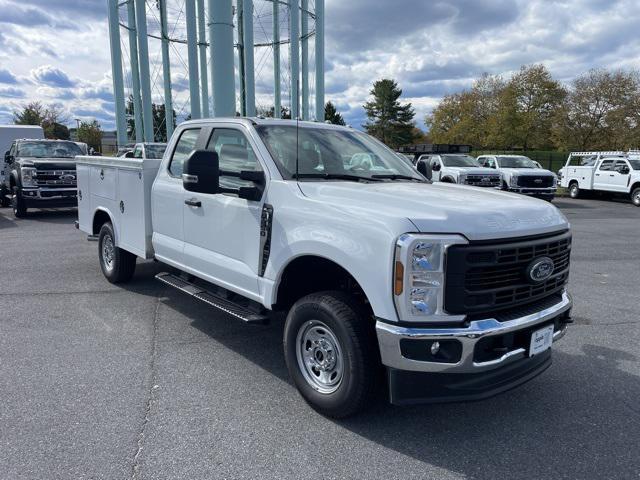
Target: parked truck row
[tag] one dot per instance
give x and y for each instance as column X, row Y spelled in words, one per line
column 437, row 291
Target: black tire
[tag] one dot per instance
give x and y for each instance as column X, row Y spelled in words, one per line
column 356, row 350
column 117, row 264
column 574, row 190
column 635, row 196
column 4, row 201
column 17, row 203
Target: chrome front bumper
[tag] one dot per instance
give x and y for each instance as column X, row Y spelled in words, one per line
column 389, row 337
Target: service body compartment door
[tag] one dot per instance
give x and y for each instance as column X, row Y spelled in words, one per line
column 103, row 181
column 85, row 214
column 132, row 212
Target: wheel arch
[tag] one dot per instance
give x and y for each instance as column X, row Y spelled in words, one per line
column 100, row 217
column 311, row 273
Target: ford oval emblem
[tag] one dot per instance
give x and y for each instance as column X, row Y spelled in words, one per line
column 540, row 269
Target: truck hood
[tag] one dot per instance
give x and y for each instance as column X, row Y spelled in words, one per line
column 472, row 170
column 47, row 163
column 476, row 213
column 521, row 172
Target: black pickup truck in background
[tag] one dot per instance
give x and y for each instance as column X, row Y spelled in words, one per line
column 40, row 174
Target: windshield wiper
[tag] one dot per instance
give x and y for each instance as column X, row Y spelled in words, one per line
column 396, row 177
column 335, row 176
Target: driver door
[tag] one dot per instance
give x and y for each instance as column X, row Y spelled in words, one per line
column 222, row 234
column 621, row 172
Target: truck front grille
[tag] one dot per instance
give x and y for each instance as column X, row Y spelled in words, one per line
column 56, row 178
column 485, row 278
column 483, row 180
column 535, row 181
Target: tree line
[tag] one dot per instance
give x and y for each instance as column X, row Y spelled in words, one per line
column 599, row 110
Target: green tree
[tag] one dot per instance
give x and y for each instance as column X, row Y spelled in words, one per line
column 389, row 120
column 158, row 113
column 332, row 115
column 527, row 106
column 285, row 113
column 91, row 134
column 51, row 118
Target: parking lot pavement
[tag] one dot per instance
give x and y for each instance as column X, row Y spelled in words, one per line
column 138, row 381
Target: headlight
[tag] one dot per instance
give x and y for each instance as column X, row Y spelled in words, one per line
column 418, row 286
column 28, row 176
column 514, row 181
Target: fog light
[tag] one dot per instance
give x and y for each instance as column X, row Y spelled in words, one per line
column 435, row 348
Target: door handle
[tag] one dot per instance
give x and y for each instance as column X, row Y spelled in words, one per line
column 611, row 175
column 192, row 202
column 597, row 174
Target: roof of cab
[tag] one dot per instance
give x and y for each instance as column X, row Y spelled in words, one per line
column 248, row 121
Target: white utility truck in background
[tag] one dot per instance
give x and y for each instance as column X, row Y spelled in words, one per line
column 458, row 292
column 613, row 172
column 9, row 133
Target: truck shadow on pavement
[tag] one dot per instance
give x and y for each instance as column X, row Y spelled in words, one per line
column 579, row 419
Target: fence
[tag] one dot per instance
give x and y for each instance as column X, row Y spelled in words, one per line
column 551, row 160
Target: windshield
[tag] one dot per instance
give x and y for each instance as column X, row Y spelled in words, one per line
column 52, row 149
column 327, row 153
column 635, row 164
column 459, row 161
column 516, row 162
column 154, row 151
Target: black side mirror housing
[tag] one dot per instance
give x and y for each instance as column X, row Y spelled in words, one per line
column 7, row 157
column 436, row 167
column 424, row 168
column 624, row 170
column 202, row 172
column 129, row 154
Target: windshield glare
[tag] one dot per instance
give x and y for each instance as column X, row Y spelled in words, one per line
column 331, row 152
column 516, row 162
column 635, row 164
column 53, row 149
column 459, row 161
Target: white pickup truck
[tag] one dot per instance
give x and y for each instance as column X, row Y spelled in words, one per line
column 458, row 292
column 457, row 168
column 520, row 174
column 614, row 172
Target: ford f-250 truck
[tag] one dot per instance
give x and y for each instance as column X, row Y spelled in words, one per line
column 457, row 291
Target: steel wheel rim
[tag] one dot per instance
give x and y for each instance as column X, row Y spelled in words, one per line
column 574, row 191
column 319, row 357
column 636, row 198
column 108, row 252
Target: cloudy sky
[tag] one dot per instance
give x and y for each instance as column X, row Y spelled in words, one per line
column 57, row 51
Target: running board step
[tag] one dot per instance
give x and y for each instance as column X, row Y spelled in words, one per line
column 239, row 311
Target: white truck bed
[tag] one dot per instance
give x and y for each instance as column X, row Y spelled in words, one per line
column 121, row 187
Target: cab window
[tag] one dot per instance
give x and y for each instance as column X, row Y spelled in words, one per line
column 234, row 155
column 606, row 165
column 186, row 144
column 137, row 153
column 489, row 162
column 621, row 166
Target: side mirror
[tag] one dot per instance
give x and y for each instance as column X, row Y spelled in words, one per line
column 624, row 170
column 436, row 167
column 7, row 157
column 202, row 172
column 129, row 154
column 423, row 167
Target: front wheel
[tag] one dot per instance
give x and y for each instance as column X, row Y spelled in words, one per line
column 635, row 197
column 117, row 264
column 574, row 190
column 330, row 352
column 18, row 205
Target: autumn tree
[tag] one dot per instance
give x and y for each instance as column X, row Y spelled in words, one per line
column 602, row 112
column 332, row 115
column 389, row 120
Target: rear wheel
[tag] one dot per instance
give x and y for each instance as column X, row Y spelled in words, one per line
column 4, row 200
column 330, row 352
column 574, row 190
column 117, row 264
column 17, row 203
column 635, row 197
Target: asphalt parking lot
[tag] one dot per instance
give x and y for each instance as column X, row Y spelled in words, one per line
column 139, row 381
